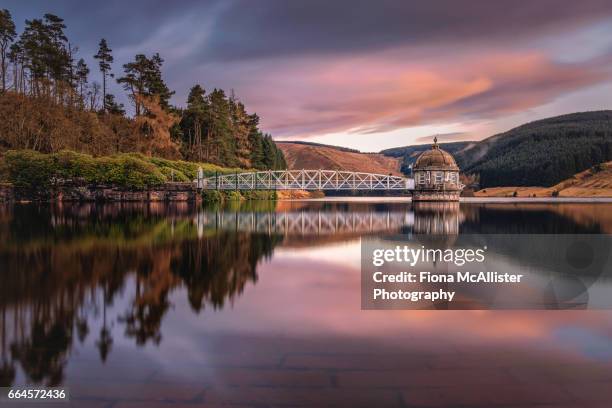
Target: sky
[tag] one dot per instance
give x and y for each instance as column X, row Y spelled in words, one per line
column 364, row 74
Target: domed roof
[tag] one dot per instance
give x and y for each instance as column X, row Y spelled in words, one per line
column 435, row 159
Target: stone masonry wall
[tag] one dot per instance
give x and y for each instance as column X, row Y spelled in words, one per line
column 78, row 191
column 6, row 193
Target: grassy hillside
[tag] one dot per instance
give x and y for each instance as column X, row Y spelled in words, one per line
column 340, row 148
column 409, row 154
column 541, row 153
column 594, row 182
column 314, row 156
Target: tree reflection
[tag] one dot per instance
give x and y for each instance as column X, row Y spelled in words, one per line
column 63, row 268
column 43, row 354
column 7, row 369
column 60, row 273
column 218, row 269
column 105, row 342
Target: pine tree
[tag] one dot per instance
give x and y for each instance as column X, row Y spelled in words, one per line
column 143, row 77
column 17, row 58
column 223, row 148
column 194, row 124
column 134, row 80
column 82, row 72
column 256, row 143
column 58, row 58
column 43, row 51
column 33, row 42
column 240, row 130
column 155, row 83
column 112, row 106
column 7, row 36
column 105, row 59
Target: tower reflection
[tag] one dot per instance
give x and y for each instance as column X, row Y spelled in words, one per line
column 439, row 218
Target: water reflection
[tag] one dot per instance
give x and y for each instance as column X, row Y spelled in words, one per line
column 62, row 267
column 437, row 218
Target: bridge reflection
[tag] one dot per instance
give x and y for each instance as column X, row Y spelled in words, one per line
column 421, row 218
column 305, row 222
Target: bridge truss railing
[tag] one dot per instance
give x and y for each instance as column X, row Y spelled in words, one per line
column 306, row 180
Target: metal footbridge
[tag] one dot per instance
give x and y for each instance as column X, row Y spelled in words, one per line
column 304, row 180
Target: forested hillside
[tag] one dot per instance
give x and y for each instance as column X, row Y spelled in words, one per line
column 541, row 153
column 49, row 101
column 409, row 154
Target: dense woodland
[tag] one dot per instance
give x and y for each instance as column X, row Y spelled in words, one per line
column 541, row 153
column 49, row 101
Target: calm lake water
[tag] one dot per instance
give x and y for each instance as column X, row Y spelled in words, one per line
column 258, row 305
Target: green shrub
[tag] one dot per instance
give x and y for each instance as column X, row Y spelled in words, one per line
column 30, row 170
column 212, row 196
column 190, row 169
column 67, row 164
column 133, row 172
column 259, row 194
column 248, row 194
column 173, row 175
column 233, row 196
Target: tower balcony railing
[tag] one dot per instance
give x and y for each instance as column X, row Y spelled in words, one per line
column 444, row 186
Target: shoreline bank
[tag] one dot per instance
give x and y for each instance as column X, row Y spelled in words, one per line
column 464, row 199
column 77, row 191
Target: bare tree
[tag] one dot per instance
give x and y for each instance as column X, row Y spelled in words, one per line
column 7, row 35
column 94, row 96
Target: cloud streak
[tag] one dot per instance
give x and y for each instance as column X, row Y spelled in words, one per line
column 276, row 28
column 358, row 67
column 374, row 94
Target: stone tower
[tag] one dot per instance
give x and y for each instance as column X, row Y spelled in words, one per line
column 436, row 176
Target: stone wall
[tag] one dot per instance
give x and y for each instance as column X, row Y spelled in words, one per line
column 71, row 191
column 6, row 193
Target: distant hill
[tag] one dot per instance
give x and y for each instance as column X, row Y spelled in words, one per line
column 541, row 153
column 305, row 155
column 300, row 142
column 594, row 182
column 409, row 154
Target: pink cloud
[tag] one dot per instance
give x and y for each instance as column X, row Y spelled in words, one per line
column 392, row 90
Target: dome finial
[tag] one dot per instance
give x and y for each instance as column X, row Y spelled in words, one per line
column 435, row 145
